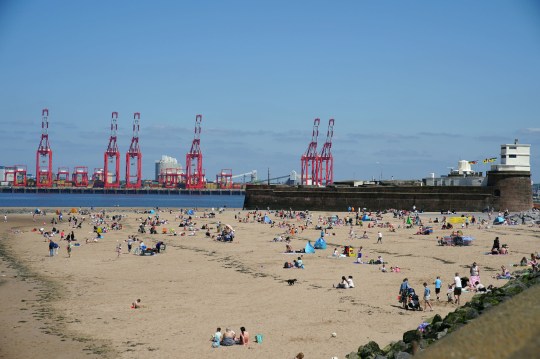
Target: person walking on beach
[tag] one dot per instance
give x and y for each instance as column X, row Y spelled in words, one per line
column 379, row 237
column 404, row 292
column 457, row 288
column 5, row 218
column 69, row 248
column 438, row 284
column 51, row 248
column 118, row 250
column 427, row 295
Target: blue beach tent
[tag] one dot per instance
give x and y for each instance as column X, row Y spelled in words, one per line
column 267, row 219
column 320, row 244
column 365, row 217
column 498, row 220
column 309, row 248
column 191, row 212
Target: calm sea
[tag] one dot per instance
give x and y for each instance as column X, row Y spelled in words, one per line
column 44, row 200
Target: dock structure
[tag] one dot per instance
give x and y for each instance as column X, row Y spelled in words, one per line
column 135, row 191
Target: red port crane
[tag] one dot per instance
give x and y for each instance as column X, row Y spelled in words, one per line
column 325, row 167
column 309, row 161
column 112, row 157
column 44, row 175
column 170, row 177
column 194, row 159
column 98, row 175
column 224, row 179
column 134, row 157
column 62, row 174
column 17, row 175
column 80, row 176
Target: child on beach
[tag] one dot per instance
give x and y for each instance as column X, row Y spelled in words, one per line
column 136, row 304
column 449, row 294
column 69, row 248
column 427, row 294
column 216, row 338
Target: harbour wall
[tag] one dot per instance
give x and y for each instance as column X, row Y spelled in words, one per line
column 509, row 190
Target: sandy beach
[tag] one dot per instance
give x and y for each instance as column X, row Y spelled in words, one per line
column 79, row 307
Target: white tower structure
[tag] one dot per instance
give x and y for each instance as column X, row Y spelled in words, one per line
column 514, row 157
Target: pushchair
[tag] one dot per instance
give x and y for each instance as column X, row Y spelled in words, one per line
column 414, row 302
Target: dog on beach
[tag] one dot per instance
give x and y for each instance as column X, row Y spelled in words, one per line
column 292, row 281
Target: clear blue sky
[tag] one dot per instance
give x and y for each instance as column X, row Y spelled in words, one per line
column 414, row 86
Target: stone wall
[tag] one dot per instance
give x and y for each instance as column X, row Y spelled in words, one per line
column 376, row 197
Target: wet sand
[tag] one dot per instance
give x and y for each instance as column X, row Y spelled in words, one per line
column 198, row 284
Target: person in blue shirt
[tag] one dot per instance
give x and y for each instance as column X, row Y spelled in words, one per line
column 438, row 285
column 427, row 295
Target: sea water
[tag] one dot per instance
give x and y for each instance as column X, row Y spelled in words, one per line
column 47, row 200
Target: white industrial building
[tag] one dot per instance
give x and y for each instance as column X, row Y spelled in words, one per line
column 514, row 157
column 166, row 162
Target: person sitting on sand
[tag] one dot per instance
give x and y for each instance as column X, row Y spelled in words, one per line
column 216, row 338
column 505, row 274
column 228, row 338
column 288, row 249
column 344, row 284
column 244, row 337
column 136, row 304
column 350, row 281
column 379, row 260
column 504, row 249
column 523, row 262
column 479, row 287
column 533, row 262
column 495, row 249
column 365, row 235
column 299, row 263
column 336, row 253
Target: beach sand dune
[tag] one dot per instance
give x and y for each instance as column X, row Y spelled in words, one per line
column 198, row 284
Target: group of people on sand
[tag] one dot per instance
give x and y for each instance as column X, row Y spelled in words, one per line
column 497, row 248
column 297, row 263
column 346, row 283
column 229, row 338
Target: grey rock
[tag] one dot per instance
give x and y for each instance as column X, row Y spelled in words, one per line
column 442, row 334
column 402, row 355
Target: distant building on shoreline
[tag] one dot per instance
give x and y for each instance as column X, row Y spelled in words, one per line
column 166, row 162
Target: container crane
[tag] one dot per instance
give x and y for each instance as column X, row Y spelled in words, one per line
column 79, row 177
column 325, row 166
column 224, row 179
column 17, row 175
column 194, row 158
column 44, row 174
column 134, row 157
column 112, row 157
column 309, row 160
column 62, row 174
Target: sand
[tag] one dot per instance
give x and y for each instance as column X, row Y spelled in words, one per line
column 79, row 307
